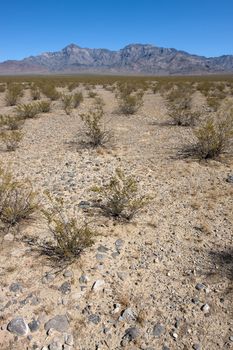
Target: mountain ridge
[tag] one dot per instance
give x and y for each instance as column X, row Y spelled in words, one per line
column 132, row 59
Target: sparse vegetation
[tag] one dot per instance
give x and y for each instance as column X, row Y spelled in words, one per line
column 29, row 110
column 128, row 100
column 67, row 101
column 69, row 237
column 94, row 130
column 43, row 106
column 11, row 139
column 10, row 122
column 17, row 200
column 77, row 99
column 35, row 92
column 13, row 93
column 120, row 197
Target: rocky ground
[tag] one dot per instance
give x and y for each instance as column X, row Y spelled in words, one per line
column 162, row 281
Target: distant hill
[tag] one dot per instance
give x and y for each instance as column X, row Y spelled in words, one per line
column 132, row 59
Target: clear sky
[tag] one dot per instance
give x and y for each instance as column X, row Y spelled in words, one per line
column 29, row 27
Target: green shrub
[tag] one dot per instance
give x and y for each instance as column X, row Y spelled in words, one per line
column 10, row 122
column 17, row 200
column 69, row 237
column 49, row 90
column 35, row 92
column 11, row 139
column 130, row 103
column 94, row 129
column 67, row 101
column 2, row 88
column 214, row 137
column 120, row 197
column 13, row 93
column 43, row 106
column 29, row 110
column 182, row 114
column 77, row 99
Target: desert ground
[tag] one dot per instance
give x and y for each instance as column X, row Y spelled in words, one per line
column 160, row 281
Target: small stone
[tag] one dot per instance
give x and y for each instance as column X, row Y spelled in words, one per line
column 165, row 348
column 195, row 300
column 128, row 315
column 56, row 346
column 69, row 339
column 175, row 335
column 16, row 287
column 98, row 285
column 102, row 249
column 158, row 330
column 18, row 326
column 100, row 257
column 231, row 338
column 119, row 244
column 67, row 347
column 115, row 255
column 230, row 179
column 48, row 278
column 200, row 286
column 197, row 346
column 59, row 323
column 131, row 333
column 83, row 279
column 205, row 308
column 68, row 274
column 34, row 325
column 9, row 237
column 122, row 275
column 65, row 288
column 94, row 318
column 84, row 205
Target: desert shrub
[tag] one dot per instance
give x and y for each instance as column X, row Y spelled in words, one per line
column 50, row 91
column 94, row 130
column 69, row 237
column 213, row 137
column 72, row 86
column 13, row 93
column 67, row 101
column 43, row 106
column 2, row 88
column 10, row 122
column 181, row 112
column 11, row 139
column 35, row 92
column 92, row 94
column 17, row 200
column 120, row 197
column 77, row 99
column 29, row 110
column 130, row 103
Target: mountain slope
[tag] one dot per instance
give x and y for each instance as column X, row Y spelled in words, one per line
column 134, row 58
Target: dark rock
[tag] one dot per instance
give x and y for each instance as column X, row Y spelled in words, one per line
column 200, row 286
column 119, row 244
column 16, row 287
column 65, row 288
column 102, row 249
column 18, row 326
column 59, row 323
column 158, row 330
column 197, row 346
column 230, row 179
column 84, row 205
column 34, row 325
column 131, row 333
column 94, row 318
column 83, row 279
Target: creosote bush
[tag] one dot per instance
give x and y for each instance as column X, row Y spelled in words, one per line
column 129, row 103
column 8, row 122
column 214, row 137
column 2, row 88
column 94, row 130
column 43, row 106
column 35, row 92
column 77, row 99
column 11, row 139
column 120, row 197
column 49, row 90
column 67, row 101
column 17, row 200
column 13, row 93
column 29, row 110
column 182, row 114
column 69, row 237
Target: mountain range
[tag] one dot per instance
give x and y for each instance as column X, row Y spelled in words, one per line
column 132, row 59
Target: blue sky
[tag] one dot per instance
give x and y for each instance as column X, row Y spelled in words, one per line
column 31, row 27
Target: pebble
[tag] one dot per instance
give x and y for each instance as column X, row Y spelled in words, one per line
column 56, row 346
column 83, row 279
column 59, row 323
column 94, row 318
column 200, row 286
column 48, row 278
column 34, row 325
column 230, row 179
column 119, row 244
column 205, row 308
column 68, row 274
column 128, row 315
column 16, row 287
column 69, row 339
column 158, row 330
column 65, row 288
column 98, row 285
column 197, row 346
column 131, row 333
column 18, row 326
column 102, row 249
